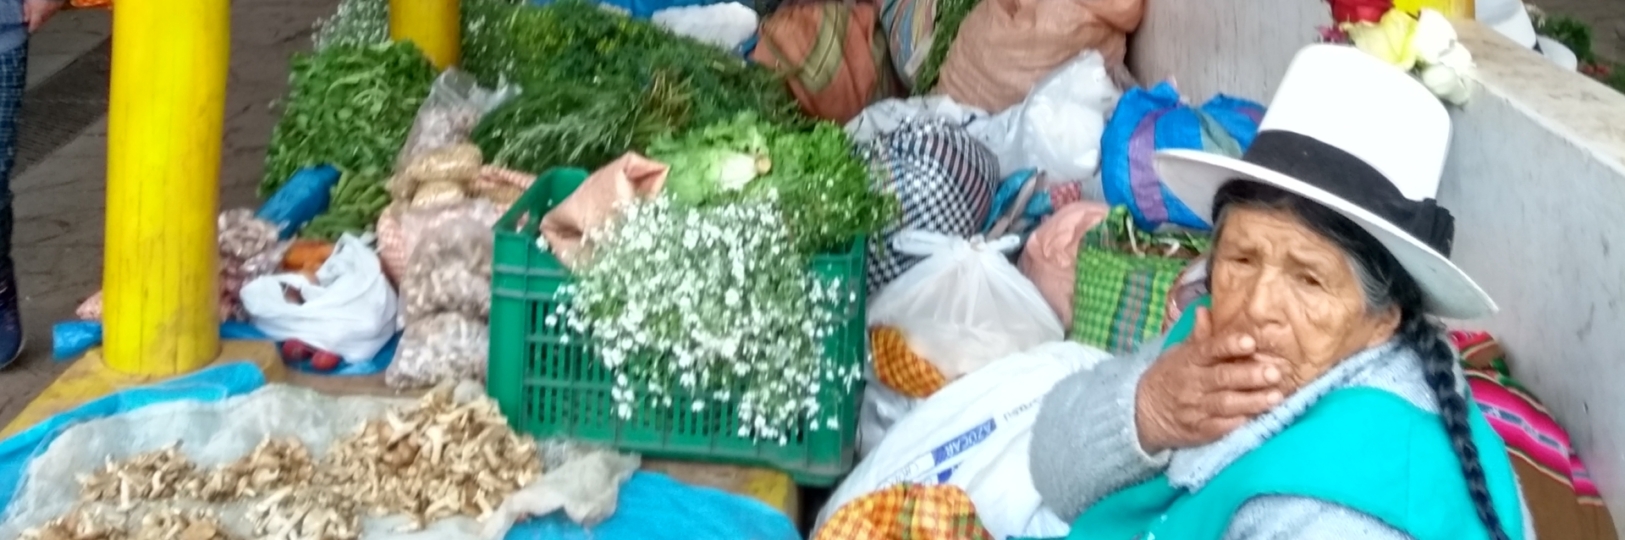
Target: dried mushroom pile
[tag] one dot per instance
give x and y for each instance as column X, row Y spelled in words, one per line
column 167, row 524
column 431, row 461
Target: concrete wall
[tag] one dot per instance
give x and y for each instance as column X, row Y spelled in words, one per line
column 1536, row 180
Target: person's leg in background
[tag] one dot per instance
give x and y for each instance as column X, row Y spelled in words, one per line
column 13, row 79
column 17, row 21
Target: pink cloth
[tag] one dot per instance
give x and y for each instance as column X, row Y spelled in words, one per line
column 1051, row 257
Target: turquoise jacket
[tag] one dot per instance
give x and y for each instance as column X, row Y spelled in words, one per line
column 1361, row 448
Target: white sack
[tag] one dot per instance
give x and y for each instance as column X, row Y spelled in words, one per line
column 882, row 407
column 974, row 434
column 351, row 310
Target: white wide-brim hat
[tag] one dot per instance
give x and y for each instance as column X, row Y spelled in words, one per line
column 1509, row 18
column 1558, row 53
column 1364, row 139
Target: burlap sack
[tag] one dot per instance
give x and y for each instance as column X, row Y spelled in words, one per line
column 401, row 226
column 1050, row 259
column 630, row 176
column 1005, row 46
column 495, row 187
column 834, row 55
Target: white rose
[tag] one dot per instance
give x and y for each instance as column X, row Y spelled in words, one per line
column 1433, row 37
column 1447, row 82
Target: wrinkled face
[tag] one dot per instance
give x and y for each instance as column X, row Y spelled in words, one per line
column 1294, row 291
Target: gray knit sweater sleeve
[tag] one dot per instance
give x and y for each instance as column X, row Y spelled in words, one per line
column 1085, row 445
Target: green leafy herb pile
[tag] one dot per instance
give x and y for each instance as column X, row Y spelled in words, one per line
column 821, row 189
column 602, row 64
column 351, row 107
column 950, row 14
column 580, row 126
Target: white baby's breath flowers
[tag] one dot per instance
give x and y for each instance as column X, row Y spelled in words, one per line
column 703, row 307
column 354, row 22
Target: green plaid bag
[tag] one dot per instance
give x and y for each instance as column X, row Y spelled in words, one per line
column 1123, row 278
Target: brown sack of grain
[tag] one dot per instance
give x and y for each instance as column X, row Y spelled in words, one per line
column 1005, row 46
column 833, row 53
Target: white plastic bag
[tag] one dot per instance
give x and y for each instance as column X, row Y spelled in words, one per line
column 585, row 487
column 351, row 310
column 456, row 103
column 1057, row 129
column 965, row 304
column 726, row 25
column 882, row 408
column 974, row 434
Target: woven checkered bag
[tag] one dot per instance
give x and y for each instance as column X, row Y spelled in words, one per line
column 899, row 368
column 907, row 512
column 944, row 179
column 1124, row 276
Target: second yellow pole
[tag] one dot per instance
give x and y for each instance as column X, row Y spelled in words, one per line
column 165, row 122
column 433, row 25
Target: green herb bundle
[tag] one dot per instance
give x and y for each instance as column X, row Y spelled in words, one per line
column 351, row 107
column 820, row 187
column 602, row 82
column 950, row 14
column 572, row 125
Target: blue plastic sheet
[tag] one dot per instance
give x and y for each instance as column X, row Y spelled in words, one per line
column 71, row 339
column 643, row 9
column 652, row 506
column 210, row 384
column 305, row 196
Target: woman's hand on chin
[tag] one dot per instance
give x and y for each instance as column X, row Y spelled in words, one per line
column 1203, row 389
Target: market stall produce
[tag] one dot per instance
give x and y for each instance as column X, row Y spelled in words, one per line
column 448, row 455
column 350, row 107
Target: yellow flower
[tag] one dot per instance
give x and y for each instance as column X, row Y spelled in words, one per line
column 1388, row 40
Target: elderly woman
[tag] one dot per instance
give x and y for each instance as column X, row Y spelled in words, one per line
column 1311, row 397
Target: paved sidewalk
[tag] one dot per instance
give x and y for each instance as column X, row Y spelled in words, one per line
column 61, row 201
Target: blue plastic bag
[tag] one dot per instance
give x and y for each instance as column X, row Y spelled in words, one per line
column 1149, row 120
column 652, row 506
column 71, row 339
column 305, row 196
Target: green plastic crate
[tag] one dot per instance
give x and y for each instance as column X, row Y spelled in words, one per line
column 548, row 386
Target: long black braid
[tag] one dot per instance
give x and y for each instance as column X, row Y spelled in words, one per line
column 1387, row 285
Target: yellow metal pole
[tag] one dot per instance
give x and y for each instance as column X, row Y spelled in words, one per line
column 433, row 25
column 165, row 122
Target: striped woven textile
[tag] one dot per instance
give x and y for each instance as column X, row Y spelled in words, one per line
column 1562, row 498
column 1121, row 295
column 909, row 25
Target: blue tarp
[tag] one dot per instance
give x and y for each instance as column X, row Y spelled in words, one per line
column 655, row 507
column 652, row 506
column 211, row 384
column 71, row 339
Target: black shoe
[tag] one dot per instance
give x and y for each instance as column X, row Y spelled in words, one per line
column 11, row 322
